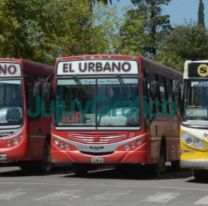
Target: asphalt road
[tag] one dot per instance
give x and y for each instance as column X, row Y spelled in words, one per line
column 100, row 188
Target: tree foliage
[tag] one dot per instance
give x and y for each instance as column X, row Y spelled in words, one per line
column 106, row 19
column 144, row 27
column 103, row 1
column 44, row 29
column 201, row 14
column 188, row 42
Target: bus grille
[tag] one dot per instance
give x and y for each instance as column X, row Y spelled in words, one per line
column 97, row 139
column 6, row 133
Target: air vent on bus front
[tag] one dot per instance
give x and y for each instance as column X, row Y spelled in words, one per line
column 98, row 139
column 6, row 133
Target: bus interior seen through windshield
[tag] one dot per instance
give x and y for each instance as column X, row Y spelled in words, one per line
column 11, row 104
column 98, row 102
column 196, row 99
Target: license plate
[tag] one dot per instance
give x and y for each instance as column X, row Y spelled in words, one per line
column 3, row 157
column 97, row 160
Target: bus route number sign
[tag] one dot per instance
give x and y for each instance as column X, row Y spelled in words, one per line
column 199, row 70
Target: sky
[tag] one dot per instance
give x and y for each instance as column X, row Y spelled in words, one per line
column 180, row 11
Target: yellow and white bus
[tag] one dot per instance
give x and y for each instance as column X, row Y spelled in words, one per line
column 194, row 125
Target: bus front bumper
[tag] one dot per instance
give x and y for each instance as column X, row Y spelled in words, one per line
column 194, row 164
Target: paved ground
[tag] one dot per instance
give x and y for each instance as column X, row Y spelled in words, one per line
column 100, row 188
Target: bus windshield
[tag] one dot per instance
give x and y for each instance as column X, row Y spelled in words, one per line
column 196, row 98
column 11, row 105
column 98, row 102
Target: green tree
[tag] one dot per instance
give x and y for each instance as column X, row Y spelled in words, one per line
column 103, row 1
column 132, row 36
column 106, row 19
column 188, row 42
column 144, row 27
column 201, row 14
column 42, row 30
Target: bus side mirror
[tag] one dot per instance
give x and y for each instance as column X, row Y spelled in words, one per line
column 154, row 89
column 46, row 90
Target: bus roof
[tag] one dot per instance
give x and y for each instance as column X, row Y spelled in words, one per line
column 160, row 69
column 148, row 64
column 31, row 67
column 96, row 56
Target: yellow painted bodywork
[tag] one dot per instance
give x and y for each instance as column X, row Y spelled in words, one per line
column 190, row 153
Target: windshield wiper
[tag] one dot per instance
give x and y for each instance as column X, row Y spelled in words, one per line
column 76, row 79
column 120, row 79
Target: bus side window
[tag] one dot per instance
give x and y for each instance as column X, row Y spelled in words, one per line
column 146, row 98
column 154, row 100
column 182, row 96
column 152, row 80
column 169, row 95
column 169, row 89
column 162, row 90
column 176, row 94
column 29, row 82
column 146, row 82
column 46, row 98
column 180, row 101
column 1, row 96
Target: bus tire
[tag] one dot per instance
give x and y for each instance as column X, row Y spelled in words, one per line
column 27, row 167
column 175, row 165
column 80, row 170
column 46, row 165
column 200, row 175
column 158, row 168
column 124, row 169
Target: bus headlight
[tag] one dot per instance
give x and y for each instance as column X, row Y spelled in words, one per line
column 193, row 141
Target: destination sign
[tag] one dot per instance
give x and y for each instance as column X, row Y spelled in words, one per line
column 97, row 67
column 196, row 112
column 199, row 84
column 10, row 70
column 197, row 69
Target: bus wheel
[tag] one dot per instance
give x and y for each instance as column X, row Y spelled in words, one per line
column 200, row 175
column 27, row 167
column 175, row 165
column 123, row 169
column 158, row 168
column 45, row 164
column 80, row 170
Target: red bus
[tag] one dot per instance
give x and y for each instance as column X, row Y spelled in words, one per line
column 116, row 110
column 24, row 139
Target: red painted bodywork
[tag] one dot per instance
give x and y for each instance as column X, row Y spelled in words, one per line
column 33, row 133
column 147, row 152
column 120, row 155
